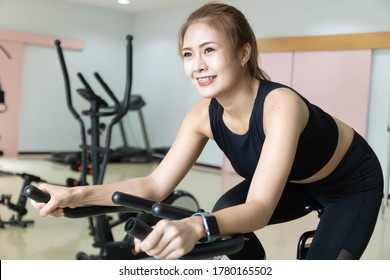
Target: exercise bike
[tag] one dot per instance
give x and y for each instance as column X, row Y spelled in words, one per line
column 137, row 228
column 20, row 206
column 306, row 237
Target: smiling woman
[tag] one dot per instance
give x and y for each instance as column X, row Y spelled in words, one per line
column 289, row 151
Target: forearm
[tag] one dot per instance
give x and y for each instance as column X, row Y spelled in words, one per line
column 102, row 194
column 242, row 218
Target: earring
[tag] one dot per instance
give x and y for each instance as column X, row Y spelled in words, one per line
column 243, row 64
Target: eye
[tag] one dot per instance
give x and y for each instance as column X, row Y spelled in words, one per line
column 186, row 54
column 209, row 50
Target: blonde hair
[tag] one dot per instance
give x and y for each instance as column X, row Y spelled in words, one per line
column 235, row 27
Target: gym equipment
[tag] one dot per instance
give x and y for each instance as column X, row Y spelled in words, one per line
column 304, row 240
column 136, row 227
column 76, row 115
column 124, row 153
column 127, row 153
column 99, row 156
column 95, row 154
column 98, row 104
column 100, row 226
column 20, row 206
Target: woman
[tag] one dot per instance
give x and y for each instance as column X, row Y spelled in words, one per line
column 289, row 151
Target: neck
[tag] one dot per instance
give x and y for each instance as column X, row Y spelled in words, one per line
column 240, row 99
column 238, row 108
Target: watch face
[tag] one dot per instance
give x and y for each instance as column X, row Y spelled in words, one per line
column 212, row 225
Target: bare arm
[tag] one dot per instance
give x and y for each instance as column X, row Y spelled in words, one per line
column 186, row 148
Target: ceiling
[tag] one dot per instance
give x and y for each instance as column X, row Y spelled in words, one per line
column 136, row 6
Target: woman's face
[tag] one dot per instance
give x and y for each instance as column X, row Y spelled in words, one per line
column 209, row 61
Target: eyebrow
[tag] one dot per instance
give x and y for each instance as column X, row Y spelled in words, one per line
column 201, row 45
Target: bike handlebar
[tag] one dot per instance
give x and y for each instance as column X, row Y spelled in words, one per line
column 138, row 229
column 38, row 195
column 133, row 201
column 230, row 245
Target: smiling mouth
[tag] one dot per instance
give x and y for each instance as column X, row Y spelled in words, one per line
column 204, row 81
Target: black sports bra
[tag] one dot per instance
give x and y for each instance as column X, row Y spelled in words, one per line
column 316, row 146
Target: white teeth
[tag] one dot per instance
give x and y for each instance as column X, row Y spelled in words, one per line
column 206, row 79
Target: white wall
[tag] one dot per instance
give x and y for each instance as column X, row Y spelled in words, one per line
column 46, row 124
column 157, row 68
column 379, row 113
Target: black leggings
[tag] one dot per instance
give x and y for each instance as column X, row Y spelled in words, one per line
column 351, row 195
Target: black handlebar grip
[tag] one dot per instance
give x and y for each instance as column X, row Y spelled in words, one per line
column 36, row 194
column 132, row 201
column 168, row 211
column 74, row 213
column 137, row 228
column 93, row 210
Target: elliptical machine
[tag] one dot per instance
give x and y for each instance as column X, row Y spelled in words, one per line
column 100, row 226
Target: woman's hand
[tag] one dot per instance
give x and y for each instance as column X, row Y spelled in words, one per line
column 60, row 197
column 172, row 239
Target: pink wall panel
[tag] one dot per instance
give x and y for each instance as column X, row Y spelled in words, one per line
column 40, row 40
column 11, row 80
column 10, row 77
column 338, row 82
column 278, row 66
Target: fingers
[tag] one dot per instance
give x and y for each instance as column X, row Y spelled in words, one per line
column 45, row 209
column 51, row 207
column 137, row 245
column 37, row 205
column 168, row 240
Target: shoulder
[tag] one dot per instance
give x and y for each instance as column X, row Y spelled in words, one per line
column 198, row 118
column 200, row 108
column 285, row 98
column 282, row 94
column 284, row 104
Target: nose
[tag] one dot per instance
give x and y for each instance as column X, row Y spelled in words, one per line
column 199, row 64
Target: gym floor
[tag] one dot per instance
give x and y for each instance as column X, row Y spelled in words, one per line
column 61, row 238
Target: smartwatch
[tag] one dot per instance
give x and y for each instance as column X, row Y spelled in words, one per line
column 210, row 226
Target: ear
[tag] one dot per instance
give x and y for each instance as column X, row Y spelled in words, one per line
column 245, row 53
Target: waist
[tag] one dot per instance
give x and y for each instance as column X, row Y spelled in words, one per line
column 346, row 135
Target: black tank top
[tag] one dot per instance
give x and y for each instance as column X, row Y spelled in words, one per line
column 316, row 146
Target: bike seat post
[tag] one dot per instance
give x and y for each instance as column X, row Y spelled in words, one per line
column 303, row 244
